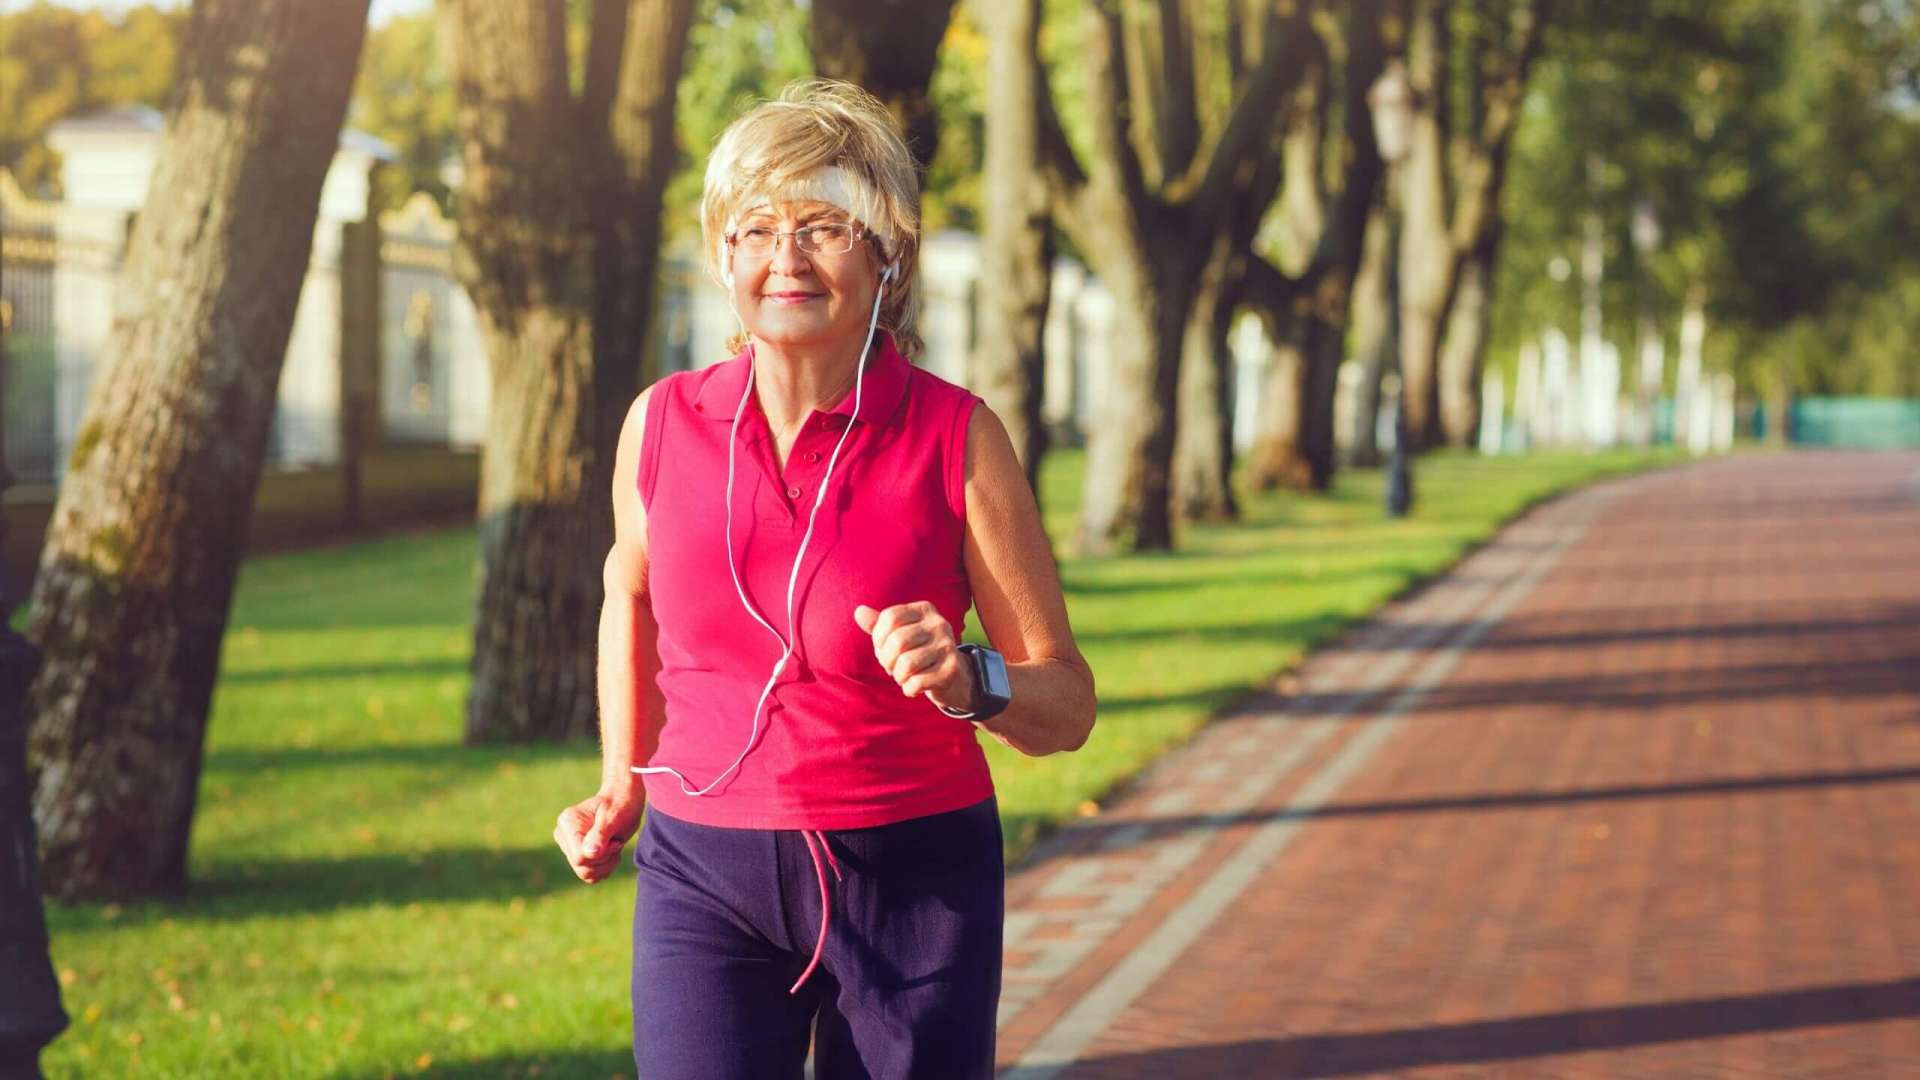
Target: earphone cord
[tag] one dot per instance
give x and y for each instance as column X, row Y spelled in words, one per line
column 793, row 576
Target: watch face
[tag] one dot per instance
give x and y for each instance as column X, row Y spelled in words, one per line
column 995, row 667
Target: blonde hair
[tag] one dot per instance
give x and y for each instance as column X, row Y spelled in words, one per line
column 779, row 148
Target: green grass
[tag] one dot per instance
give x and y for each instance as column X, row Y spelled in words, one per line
column 370, row 898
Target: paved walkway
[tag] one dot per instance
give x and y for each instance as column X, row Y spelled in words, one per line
column 1634, row 792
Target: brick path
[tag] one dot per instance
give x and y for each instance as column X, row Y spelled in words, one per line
column 1634, row 792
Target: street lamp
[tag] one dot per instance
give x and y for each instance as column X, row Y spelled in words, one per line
column 1390, row 100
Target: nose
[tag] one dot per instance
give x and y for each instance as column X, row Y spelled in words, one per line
column 788, row 260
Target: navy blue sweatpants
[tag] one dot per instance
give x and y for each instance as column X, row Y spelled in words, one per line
column 726, row 919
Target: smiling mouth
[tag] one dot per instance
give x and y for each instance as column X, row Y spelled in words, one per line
column 792, row 297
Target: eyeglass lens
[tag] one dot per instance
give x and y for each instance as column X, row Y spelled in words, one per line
column 832, row 239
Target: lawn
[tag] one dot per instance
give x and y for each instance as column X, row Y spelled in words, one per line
column 370, row 898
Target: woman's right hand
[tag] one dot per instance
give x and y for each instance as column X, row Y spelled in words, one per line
column 592, row 832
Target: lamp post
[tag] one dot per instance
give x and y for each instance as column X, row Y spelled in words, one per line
column 1390, row 100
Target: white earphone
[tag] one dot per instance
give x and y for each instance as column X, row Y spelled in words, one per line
column 793, row 575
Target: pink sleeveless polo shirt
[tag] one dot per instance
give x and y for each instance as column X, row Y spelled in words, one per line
column 839, row 746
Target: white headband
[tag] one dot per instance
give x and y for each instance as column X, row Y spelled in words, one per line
column 835, row 186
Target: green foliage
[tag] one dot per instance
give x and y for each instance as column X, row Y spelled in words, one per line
column 952, row 196
column 1771, row 139
column 739, row 52
column 56, row 62
column 403, row 96
column 370, row 898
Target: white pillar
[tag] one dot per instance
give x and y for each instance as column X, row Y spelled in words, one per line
column 1493, row 400
column 1527, row 414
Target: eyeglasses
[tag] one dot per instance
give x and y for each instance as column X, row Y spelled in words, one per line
column 835, row 238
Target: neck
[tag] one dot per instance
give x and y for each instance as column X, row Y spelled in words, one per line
column 792, row 381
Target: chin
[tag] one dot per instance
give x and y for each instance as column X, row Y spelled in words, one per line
column 781, row 332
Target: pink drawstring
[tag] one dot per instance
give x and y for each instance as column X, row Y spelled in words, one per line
column 817, row 843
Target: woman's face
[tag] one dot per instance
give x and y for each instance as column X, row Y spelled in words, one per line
column 794, row 298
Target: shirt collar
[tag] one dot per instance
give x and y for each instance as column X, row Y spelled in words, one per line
column 882, row 388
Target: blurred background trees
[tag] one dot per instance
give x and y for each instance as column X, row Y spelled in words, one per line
column 1717, row 188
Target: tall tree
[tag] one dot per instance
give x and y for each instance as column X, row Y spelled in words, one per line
column 1467, row 103
column 138, row 568
column 1158, row 176
column 1009, row 362
column 1326, row 212
column 559, row 236
column 1203, row 446
column 888, row 47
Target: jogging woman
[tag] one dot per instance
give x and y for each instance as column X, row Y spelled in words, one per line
column 800, row 531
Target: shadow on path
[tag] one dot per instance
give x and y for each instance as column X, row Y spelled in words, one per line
column 1106, row 835
column 1484, row 1041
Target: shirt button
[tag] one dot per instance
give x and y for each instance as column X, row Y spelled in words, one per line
column 813, row 456
column 793, row 493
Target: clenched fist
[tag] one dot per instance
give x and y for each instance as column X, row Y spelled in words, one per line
column 592, row 831
column 915, row 644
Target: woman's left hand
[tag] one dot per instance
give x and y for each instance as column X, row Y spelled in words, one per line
column 915, row 644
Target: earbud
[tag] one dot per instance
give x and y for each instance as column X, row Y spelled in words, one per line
column 892, row 271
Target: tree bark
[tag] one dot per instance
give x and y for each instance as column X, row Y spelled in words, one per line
column 1463, row 359
column 559, row 229
column 1309, row 313
column 1277, row 458
column 1009, row 362
column 1428, row 261
column 889, row 47
column 1203, row 455
column 638, row 149
column 1369, row 315
column 137, row 572
column 1454, row 175
column 1127, row 504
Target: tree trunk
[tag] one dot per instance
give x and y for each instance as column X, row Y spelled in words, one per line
column 1129, row 482
column 1370, row 315
column 1009, row 363
column 138, row 569
column 1145, row 212
column 625, row 214
column 1320, row 379
column 1203, row 453
column 1452, row 183
column 526, row 256
column 1427, row 256
column 559, row 229
column 1277, row 459
column 889, row 47
column 1308, row 314
column 1463, row 360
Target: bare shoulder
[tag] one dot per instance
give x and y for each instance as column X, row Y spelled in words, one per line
column 990, row 454
column 626, row 455
column 626, row 568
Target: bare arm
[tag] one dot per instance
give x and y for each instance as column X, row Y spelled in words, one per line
column 593, row 831
column 630, row 708
column 1016, row 589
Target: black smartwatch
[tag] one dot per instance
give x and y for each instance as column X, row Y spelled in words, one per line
column 992, row 690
